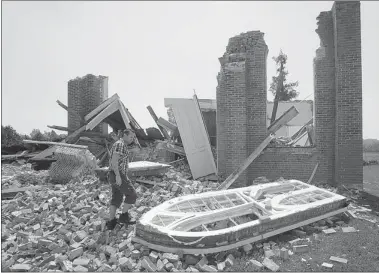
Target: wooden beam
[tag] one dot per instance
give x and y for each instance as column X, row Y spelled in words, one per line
column 150, row 182
column 313, row 174
column 295, row 135
column 124, row 115
column 55, row 143
column 155, row 118
column 173, row 148
column 69, row 110
column 101, row 107
column 110, row 109
column 75, row 135
column 283, row 120
column 60, row 128
column 237, row 172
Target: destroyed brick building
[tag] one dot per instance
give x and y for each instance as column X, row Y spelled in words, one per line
column 241, row 106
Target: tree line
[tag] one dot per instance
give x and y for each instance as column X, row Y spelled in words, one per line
column 10, row 137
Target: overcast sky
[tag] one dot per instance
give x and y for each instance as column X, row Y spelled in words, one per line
column 155, row 50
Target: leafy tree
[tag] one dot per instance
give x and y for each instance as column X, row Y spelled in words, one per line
column 279, row 83
column 37, row 135
column 9, row 136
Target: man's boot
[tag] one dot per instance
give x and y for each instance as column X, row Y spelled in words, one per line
column 111, row 224
column 125, row 219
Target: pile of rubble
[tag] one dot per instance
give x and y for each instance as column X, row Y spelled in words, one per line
column 62, row 227
column 16, row 175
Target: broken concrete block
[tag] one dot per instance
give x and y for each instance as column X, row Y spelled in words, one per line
column 327, row 265
column 257, row 265
column 268, row 263
column 329, row 231
column 147, row 264
column 77, row 252
column 172, row 258
column 284, row 254
column 348, row 229
column 339, row 260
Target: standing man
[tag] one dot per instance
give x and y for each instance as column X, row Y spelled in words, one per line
column 118, row 178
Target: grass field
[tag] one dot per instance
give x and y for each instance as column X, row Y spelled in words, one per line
column 371, row 174
column 371, row 156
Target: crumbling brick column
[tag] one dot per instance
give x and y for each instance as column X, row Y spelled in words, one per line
column 84, row 95
column 324, row 98
column 241, row 102
column 338, row 95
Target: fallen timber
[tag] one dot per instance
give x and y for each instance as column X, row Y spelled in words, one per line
column 217, row 221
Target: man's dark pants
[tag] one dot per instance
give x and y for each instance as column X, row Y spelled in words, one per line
column 125, row 189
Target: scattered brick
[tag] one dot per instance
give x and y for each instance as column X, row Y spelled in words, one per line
column 348, row 229
column 268, row 263
column 171, row 257
column 339, row 260
column 257, row 265
column 147, row 264
column 221, row 266
column 329, row 231
column 284, row 254
column 327, row 265
column 300, row 248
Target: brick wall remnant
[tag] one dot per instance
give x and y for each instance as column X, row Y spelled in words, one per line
column 241, row 102
column 338, row 94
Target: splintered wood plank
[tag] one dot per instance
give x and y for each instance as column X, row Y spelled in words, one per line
column 110, row 109
column 101, row 107
column 155, row 118
column 124, row 115
column 56, row 143
column 283, row 120
column 237, row 172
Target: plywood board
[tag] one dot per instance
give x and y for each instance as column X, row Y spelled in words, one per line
column 194, row 136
